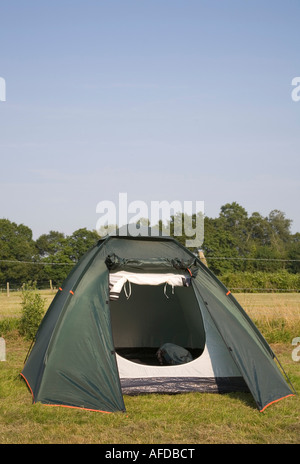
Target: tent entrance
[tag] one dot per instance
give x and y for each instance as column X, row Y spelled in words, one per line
column 145, row 317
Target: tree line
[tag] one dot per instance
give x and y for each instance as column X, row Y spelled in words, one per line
column 237, row 241
column 233, row 242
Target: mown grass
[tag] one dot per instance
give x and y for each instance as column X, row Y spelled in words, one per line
column 156, row 419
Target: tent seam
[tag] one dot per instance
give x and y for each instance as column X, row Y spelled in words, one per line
column 275, row 401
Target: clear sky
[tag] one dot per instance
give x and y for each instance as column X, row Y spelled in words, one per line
column 162, row 99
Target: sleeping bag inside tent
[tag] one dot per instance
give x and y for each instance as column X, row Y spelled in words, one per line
column 141, row 315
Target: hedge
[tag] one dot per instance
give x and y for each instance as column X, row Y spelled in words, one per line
column 252, row 282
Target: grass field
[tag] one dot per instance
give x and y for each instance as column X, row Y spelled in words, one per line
column 159, row 419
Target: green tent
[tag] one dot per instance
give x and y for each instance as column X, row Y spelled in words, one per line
column 125, row 320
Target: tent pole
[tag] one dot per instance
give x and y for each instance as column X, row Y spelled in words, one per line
column 28, row 351
column 285, row 374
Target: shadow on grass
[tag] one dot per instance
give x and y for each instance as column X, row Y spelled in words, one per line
column 244, row 397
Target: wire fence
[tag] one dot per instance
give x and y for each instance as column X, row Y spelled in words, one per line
column 18, row 287
column 46, row 286
column 38, row 263
column 264, row 290
column 6, row 287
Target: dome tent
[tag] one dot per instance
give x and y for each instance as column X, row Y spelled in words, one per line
column 121, row 304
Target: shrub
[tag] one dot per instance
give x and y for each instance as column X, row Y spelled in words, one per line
column 32, row 311
column 8, row 325
column 263, row 281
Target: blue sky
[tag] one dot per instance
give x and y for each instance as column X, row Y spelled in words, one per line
column 162, row 99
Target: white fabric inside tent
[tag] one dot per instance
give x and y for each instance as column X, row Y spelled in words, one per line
column 215, row 360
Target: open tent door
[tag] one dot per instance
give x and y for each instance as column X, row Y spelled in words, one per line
column 151, row 310
column 159, row 310
column 79, row 367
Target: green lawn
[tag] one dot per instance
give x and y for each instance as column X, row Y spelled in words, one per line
column 154, row 419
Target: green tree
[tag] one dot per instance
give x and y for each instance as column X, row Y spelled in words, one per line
column 280, row 229
column 259, row 243
column 62, row 252
column 219, row 242
column 17, row 251
column 293, row 253
column 258, row 230
column 79, row 243
column 50, row 244
column 233, row 218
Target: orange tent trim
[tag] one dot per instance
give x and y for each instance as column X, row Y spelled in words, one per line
column 276, row 401
column 63, row 405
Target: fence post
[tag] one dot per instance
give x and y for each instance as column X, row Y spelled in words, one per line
column 202, row 257
column 7, row 289
column 2, row 349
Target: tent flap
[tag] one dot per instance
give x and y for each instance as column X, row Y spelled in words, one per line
column 79, row 367
column 115, row 262
column 118, row 279
column 246, row 347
